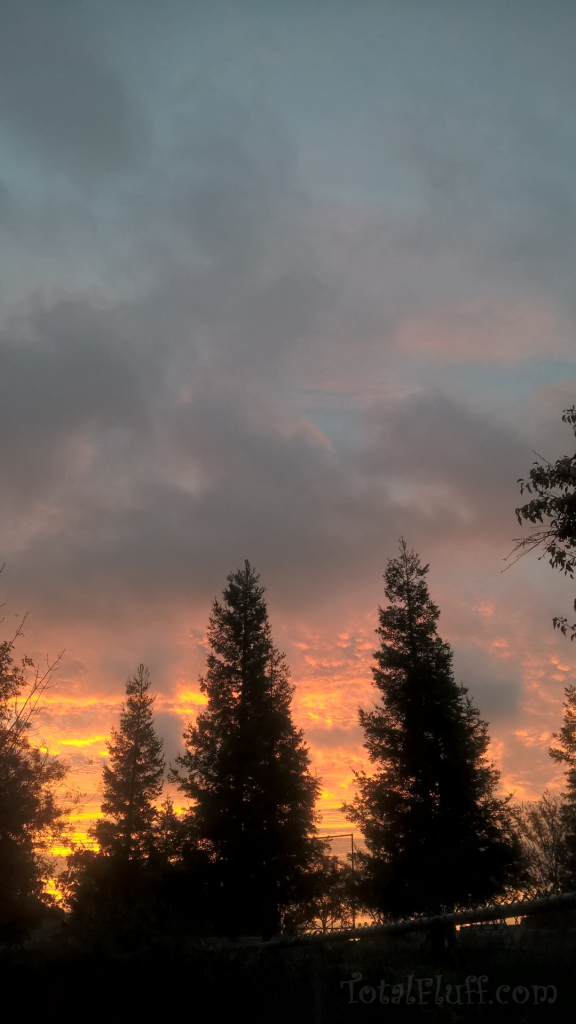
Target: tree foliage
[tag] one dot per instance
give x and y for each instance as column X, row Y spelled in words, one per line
column 133, row 777
column 565, row 753
column 436, row 832
column 552, row 513
column 32, row 818
column 246, row 767
column 540, row 825
column 327, row 903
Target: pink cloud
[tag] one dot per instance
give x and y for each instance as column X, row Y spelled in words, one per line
column 486, row 332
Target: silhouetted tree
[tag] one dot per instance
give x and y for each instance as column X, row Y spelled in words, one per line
column 552, row 513
column 565, row 753
column 31, row 817
column 437, row 834
column 540, row 826
column 169, row 836
column 327, row 904
column 246, row 768
column 135, row 905
column 133, row 777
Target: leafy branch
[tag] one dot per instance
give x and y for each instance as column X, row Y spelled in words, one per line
column 552, row 515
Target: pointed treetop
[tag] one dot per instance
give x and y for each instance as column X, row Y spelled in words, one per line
column 133, row 775
column 406, row 576
column 408, row 623
column 243, row 614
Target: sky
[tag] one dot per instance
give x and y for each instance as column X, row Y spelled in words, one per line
column 284, row 281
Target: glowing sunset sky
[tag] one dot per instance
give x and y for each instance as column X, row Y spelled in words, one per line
column 284, row 281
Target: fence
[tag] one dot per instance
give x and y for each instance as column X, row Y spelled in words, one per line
column 489, row 959
column 547, row 923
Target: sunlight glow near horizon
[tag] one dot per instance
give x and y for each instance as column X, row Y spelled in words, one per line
column 325, row 708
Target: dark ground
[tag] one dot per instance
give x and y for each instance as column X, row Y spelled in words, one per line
column 311, row 983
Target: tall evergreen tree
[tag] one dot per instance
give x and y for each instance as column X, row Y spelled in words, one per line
column 565, row 753
column 246, row 768
column 436, row 832
column 133, row 777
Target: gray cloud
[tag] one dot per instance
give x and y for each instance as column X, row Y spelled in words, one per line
column 222, row 476
column 170, row 728
column 60, row 98
column 493, row 686
column 67, row 379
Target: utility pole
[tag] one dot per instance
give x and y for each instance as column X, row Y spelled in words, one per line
column 353, row 865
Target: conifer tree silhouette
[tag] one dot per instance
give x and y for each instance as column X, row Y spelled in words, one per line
column 246, row 767
column 133, row 777
column 436, row 832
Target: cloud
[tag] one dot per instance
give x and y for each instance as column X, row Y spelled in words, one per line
column 478, row 333
column 494, row 688
column 60, row 100
column 334, row 738
column 170, row 728
column 65, row 377
column 452, row 467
